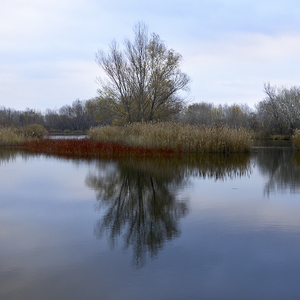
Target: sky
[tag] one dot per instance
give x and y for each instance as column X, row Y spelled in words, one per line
column 229, row 48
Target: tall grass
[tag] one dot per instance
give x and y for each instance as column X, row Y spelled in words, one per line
column 178, row 137
column 296, row 139
column 11, row 136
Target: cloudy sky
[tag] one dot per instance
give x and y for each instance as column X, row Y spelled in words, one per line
column 229, row 47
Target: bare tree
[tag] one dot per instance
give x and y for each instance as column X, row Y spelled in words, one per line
column 142, row 81
column 280, row 110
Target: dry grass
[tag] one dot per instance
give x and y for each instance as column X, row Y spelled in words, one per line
column 178, row 137
column 296, row 139
column 11, row 136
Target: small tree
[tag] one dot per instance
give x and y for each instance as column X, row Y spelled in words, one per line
column 142, row 81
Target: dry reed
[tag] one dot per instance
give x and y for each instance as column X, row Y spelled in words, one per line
column 11, row 136
column 296, row 139
column 178, row 137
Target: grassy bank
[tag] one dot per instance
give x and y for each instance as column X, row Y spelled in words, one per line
column 177, row 137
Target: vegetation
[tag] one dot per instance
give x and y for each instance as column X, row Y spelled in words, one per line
column 34, row 131
column 69, row 117
column 276, row 116
column 144, row 84
column 142, row 81
column 11, row 136
column 88, row 148
column 279, row 112
column 178, row 137
column 296, row 139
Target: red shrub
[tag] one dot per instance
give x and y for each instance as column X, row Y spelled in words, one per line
column 87, row 147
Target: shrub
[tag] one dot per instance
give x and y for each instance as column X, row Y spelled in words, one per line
column 87, row 148
column 35, row 131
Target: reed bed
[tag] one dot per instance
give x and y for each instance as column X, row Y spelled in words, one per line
column 11, row 136
column 296, row 139
column 88, row 148
column 177, row 137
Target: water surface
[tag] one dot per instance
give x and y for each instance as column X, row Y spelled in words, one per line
column 198, row 227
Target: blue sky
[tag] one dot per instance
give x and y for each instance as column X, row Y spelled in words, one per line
column 229, row 48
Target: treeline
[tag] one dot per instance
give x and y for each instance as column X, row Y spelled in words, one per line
column 69, row 117
column 277, row 113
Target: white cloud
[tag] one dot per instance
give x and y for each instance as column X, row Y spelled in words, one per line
column 53, row 86
column 234, row 68
column 229, row 48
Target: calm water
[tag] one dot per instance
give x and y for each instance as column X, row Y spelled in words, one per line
column 204, row 227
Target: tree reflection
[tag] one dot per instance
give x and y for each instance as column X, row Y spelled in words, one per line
column 142, row 205
column 143, row 200
column 282, row 168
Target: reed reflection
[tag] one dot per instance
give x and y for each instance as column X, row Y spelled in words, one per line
column 7, row 155
column 143, row 199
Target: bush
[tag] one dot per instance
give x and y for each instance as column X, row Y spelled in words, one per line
column 35, row 131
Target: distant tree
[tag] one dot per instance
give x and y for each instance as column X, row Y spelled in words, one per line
column 52, row 119
column 280, row 110
column 70, row 117
column 142, row 81
column 210, row 115
column 8, row 117
column 31, row 116
column 237, row 115
column 198, row 114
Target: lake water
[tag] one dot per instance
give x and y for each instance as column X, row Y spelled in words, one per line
column 198, row 227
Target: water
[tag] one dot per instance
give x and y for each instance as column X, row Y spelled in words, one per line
column 199, row 227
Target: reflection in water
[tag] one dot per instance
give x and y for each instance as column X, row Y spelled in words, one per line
column 7, row 155
column 233, row 244
column 142, row 196
column 282, row 169
column 141, row 204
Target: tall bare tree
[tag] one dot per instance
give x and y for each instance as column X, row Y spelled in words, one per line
column 280, row 110
column 142, row 81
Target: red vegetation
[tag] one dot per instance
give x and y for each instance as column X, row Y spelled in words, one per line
column 88, row 148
